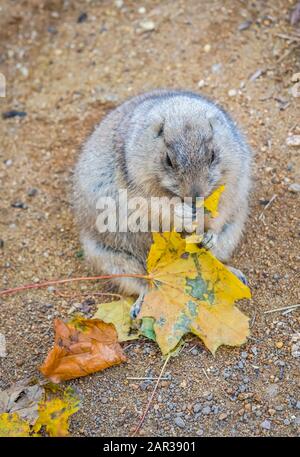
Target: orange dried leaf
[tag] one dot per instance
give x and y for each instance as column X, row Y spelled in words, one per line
column 82, row 346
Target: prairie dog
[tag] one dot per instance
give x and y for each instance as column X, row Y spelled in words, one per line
column 161, row 143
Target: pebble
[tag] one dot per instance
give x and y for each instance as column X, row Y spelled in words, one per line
column 295, row 78
column 232, row 93
column 32, row 192
column 82, row 18
column 227, row 372
column 200, row 432
column 266, row 424
column 216, row 68
column 201, row 83
column 206, row 410
column 51, row 289
column 256, row 75
column 179, row 422
column 197, row 408
column 147, row 26
column 8, row 163
column 223, row 416
column 207, row 48
column 286, row 422
column 19, row 204
column 293, row 140
column 295, row 188
column 13, row 113
column 1, row 244
column 244, row 25
column 194, row 352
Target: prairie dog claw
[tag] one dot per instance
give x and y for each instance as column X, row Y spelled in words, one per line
column 209, row 239
column 239, row 274
column 137, row 305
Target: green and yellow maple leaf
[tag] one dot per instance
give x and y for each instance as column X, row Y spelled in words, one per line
column 194, row 293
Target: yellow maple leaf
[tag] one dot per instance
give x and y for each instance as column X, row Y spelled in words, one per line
column 192, row 293
column 11, row 425
column 54, row 414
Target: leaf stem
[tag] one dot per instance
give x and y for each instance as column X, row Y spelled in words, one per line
column 64, row 281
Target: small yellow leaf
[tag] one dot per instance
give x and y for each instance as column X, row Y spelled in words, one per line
column 212, row 201
column 54, row 414
column 211, row 206
column 11, row 425
column 118, row 314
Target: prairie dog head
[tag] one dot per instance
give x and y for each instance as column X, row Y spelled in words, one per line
column 181, row 146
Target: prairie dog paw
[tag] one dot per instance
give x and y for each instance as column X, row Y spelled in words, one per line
column 137, row 305
column 209, row 240
column 239, row 274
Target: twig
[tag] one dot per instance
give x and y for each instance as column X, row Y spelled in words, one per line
column 63, row 294
column 267, row 206
column 288, row 37
column 151, row 398
column 63, row 281
column 253, row 319
column 204, row 371
column 147, row 378
column 284, row 308
column 287, row 53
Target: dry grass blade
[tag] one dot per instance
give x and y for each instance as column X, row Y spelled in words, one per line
column 284, row 308
column 151, row 398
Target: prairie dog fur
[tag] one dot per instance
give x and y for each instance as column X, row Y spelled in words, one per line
column 161, row 143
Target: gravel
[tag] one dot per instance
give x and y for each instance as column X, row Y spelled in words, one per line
column 179, row 422
column 266, row 425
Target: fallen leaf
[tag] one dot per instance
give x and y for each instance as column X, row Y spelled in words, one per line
column 82, row 346
column 118, row 313
column 22, row 398
column 54, row 414
column 147, row 328
column 194, row 293
column 11, row 425
column 30, row 409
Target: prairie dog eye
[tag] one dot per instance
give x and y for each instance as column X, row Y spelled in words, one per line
column 213, row 156
column 169, row 161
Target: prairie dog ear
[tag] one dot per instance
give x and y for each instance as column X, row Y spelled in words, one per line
column 159, row 127
column 215, row 121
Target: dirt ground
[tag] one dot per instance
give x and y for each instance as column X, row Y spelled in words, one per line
column 66, row 74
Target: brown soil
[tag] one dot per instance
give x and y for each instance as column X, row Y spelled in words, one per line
column 66, row 75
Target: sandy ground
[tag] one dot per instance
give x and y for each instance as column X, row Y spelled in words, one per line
column 65, row 75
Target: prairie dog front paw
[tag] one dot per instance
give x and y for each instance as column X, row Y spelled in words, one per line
column 209, row 239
